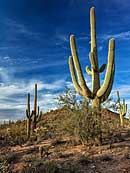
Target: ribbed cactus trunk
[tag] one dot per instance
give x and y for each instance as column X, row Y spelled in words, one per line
column 99, row 93
column 28, row 128
column 94, row 58
column 29, row 116
column 34, row 119
column 96, row 103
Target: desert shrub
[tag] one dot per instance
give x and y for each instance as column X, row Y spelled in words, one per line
column 106, row 158
column 5, row 167
column 13, row 134
column 47, row 166
column 7, row 159
column 11, row 157
column 83, row 124
column 85, row 159
column 44, row 132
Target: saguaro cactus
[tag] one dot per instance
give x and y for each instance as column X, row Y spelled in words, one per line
column 122, row 109
column 29, row 116
column 99, row 93
column 36, row 112
column 32, row 116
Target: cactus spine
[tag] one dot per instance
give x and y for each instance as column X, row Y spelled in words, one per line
column 122, row 109
column 99, row 93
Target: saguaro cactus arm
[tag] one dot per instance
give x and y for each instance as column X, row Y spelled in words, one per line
column 35, row 99
column 110, row 70
column 102, row 68
column 93, row 30
column 108, row 91
column 73, row 76
column 89, row 72
column 85, row 89
column 39, row 114
column 28, row 112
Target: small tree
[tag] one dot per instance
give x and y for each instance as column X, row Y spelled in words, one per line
column 68, row 99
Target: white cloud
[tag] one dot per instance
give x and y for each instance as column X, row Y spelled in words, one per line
column 122, row 35
column 123, row 89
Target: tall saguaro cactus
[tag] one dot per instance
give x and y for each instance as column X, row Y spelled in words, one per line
column 99, row 93
column 122, row 109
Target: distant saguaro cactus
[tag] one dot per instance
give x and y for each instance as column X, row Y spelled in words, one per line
column 122, row 109
column 99, row 93
column 29, row 116
column 36, row 112
column 32, row 116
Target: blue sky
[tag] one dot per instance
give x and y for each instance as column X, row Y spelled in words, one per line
column 34, row 48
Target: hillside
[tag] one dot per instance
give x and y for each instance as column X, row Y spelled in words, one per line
column 53, row 151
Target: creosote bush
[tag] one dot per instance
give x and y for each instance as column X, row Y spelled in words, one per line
column 82, row 124
column 13, row 134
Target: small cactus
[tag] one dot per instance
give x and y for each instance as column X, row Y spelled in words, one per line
column 122, row 109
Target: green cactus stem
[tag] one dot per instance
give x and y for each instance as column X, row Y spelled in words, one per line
column 98, row 94
column 29, row 116
column 122, row 109
column 33, row 116
column 35, row 109
column 36, row 112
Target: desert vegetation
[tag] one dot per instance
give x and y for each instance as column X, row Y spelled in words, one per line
column 82, row 135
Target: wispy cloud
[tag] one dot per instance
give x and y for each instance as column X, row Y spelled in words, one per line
column 123, row 89
column 122, row 35
column 20, row 28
